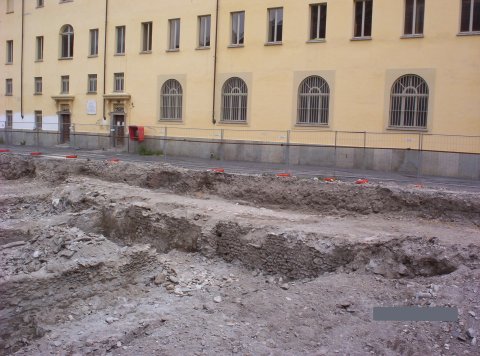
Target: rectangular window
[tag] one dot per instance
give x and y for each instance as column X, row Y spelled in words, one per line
column 174, row 39
column 39, row 48
column 363, row 18
column 9, row 87
column 40, row 3
column 120, row 40
column 9, row 6
column 9, row 117
column 318, row 21
column 238, row 28
column 118, row 82
column 38, row 120
column 93, row 50
column 9, row 52
column 414, row 14
column 470, row 16
column 65, row 84
column 204, row 24
column 92, row 83
column 275, row 25
column 38, row 85
column 147, row 36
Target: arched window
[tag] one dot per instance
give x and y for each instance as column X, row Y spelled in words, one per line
column 66, row 41
column 409, row 102
column 313, row 101
column 171, row 99
column 234, row 100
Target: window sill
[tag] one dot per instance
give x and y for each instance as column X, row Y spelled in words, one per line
column 93, row 56
column 236, row 46
column 172, row 121
column 473, row 33
column 273, row 43
column 119, row 54
column 9, row 12
column 321, row 40
column 37, row 94
column 39, row 61
column 368, row 38
column 172, row 50
column 202, row 48
column 8, row 94
column 145, row 52
column 404, row 37
column 65, row 58
column 39, row 7
column 9, row 63
column 91, row 93
column 222, row 122
column 323, row 126
column 407, row 129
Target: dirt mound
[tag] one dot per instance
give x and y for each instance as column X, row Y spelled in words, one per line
column 14, row 168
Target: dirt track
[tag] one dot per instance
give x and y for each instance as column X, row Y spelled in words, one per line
column 148, row 259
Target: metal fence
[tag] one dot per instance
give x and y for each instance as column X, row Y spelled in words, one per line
column 117, row 136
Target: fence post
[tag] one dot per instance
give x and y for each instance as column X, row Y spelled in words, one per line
column 335, row 155
column 222, row 147
column 74, row 138
column 165, row 143
column 420, row 154
column 287, row 150
column 364, row 165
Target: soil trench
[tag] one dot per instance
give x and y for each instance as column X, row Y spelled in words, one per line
column 99, row 257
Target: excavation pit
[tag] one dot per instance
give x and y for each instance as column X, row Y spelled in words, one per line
column 98, row 257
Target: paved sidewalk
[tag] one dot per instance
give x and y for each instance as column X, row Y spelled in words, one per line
column 260, row 168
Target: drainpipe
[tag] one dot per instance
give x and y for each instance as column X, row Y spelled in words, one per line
column 105, row 59
column 215, row 65
column 21, row 60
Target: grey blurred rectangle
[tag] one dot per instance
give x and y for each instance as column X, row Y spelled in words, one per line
column 415, row 314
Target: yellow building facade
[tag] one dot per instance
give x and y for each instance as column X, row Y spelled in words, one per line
column 399, row 67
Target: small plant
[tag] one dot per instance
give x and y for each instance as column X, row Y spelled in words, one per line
column 145, row 151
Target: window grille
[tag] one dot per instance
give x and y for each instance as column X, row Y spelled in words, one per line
column 313, row 101
column 171, row 100
column 234, row 100
column 409, row 102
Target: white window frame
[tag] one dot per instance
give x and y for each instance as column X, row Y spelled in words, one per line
column 9, row 119
column 273, row 37
column 174, row 34
column 38, row 85
column 67, row 32
column 313, row 107
column 38, row 119
column 204, row 31
column 8, row 87
column 147, row 37
column 65, row 84
column 9, row 59
column 413, row 32
column 413, row 98
column 234, row 101
column 92, row 84
column 119, row 82
column 10, row 6
column 238, row 22
column 39, row 49
column 93, row 42
column 120, row 35
column 471, row 18
column 362, row 28
column 319, row 8
column 171, row 99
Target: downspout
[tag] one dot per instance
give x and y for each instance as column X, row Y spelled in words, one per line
column 21, row 60
column 215, row 66
column 105, row 59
